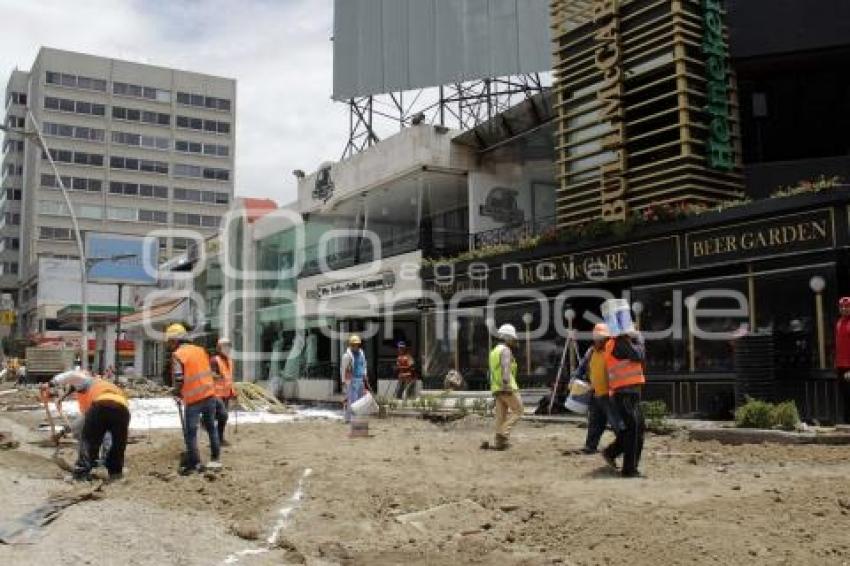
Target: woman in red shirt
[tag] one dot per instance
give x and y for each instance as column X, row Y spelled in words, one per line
column 842, row 353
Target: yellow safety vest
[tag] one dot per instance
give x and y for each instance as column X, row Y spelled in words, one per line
column 496, row 383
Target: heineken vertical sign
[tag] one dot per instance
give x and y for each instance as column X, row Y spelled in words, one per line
column 646, row 107
column 719, row 146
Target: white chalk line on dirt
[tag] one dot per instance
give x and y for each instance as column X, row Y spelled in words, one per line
column 284, row 516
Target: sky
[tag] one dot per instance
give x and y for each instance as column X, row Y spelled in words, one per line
column 279, row 51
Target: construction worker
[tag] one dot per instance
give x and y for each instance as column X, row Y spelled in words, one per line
column 105, row 410
column 194, row 387
column 624, row 357
column 404, row 373
column 503, row 385
column 222, row 367
column 593, row 365
column 353, row 372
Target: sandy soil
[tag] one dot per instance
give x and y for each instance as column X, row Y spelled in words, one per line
column 420, row 493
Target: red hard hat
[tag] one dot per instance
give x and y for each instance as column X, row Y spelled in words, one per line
column 844, row 302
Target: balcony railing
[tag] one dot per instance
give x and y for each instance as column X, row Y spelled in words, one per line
column 511, row 233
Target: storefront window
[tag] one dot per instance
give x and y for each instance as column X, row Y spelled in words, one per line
column 785, row 306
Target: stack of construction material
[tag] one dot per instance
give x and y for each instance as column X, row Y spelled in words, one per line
column 252, row 397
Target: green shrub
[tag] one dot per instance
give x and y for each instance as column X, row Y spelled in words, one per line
column 655, row 415
column 786, row 416
column 754, row 414
column 760, row 414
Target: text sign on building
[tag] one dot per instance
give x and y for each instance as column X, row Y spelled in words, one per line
column 379, row 282
column 784, row 235
column 118, row 258
column 629, row 260
column 644, row 102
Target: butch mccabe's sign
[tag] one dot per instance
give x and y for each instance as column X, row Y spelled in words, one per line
column 628, row 260
column 776, row 236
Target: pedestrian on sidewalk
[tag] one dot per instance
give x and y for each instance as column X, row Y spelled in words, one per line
column 842, row 354
column 194, row 387
column 405, row 373
column 105, row 410
column 593, row 365
column 503, row 386
column 354, row 374
column 222, row 368
column 624, row 358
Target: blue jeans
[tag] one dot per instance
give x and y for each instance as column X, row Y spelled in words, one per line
column 355, row 392
column 204, row 412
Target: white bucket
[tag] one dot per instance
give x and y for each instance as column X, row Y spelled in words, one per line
column 580, row 396
column 364, row 406
column 618, row 316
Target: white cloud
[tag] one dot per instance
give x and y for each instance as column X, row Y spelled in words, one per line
column 279, row 51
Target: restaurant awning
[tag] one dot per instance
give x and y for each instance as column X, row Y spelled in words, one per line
column 71, row 315
column 160, row 314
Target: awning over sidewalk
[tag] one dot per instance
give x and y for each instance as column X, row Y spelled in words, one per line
column 98, row 314
column 160, row 314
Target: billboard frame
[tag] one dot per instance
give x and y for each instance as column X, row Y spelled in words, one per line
column 142, row 277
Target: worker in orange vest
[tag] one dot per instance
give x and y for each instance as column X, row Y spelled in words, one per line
column 222, row 367
column 105, row 409
column 194, row 387
column 624, row 359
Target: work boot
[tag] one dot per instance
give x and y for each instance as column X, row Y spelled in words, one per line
column 189, row 470
column 213, row 465
column 501, row 442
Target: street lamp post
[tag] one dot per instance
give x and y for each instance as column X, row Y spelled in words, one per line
column 84, row 316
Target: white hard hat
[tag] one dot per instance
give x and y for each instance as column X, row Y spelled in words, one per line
column 507, row 331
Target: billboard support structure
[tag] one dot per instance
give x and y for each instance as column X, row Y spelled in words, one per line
column 458, row 105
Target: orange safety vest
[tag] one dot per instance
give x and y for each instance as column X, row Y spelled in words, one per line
column 404, row 364
column 198, row 381
column 224, row 385
column 100, row 391
column 621, row 373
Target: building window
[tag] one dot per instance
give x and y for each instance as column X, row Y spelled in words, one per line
column 210, row 102
column 135, row 189
column 146, row 92
column 122, row 213
column 10, row 243
column 74, row 81
column 73, row 183
column 16, row 146
column 75, row 132
column 144, row 116
column 211, row 149
column 197, row 195
column 16, row 98
column 75, row 157
column 51, row 233
column 184, row 219
column 13, row 170
column 134, row 164
column 74, row 106
column 210, row 126
column 12, row 219
column 13, row 194
column 15, row 122
column 9, row 267
column 195, row 171
column 157, row 216
column 58, row 208
column 138, row 140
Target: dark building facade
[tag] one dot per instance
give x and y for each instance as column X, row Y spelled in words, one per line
column 772, row 261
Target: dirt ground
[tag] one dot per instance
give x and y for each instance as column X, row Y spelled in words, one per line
column 420, row 493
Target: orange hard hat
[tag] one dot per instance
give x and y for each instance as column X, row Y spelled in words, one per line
column 601, row 331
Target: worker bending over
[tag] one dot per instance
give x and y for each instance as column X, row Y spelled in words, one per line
column 222, row 368
column 105, row 410
column 193, row 386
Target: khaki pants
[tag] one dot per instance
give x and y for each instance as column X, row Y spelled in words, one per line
column 508, row 411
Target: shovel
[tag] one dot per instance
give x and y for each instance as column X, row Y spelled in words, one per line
column 184, row 456
column 44, row 394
